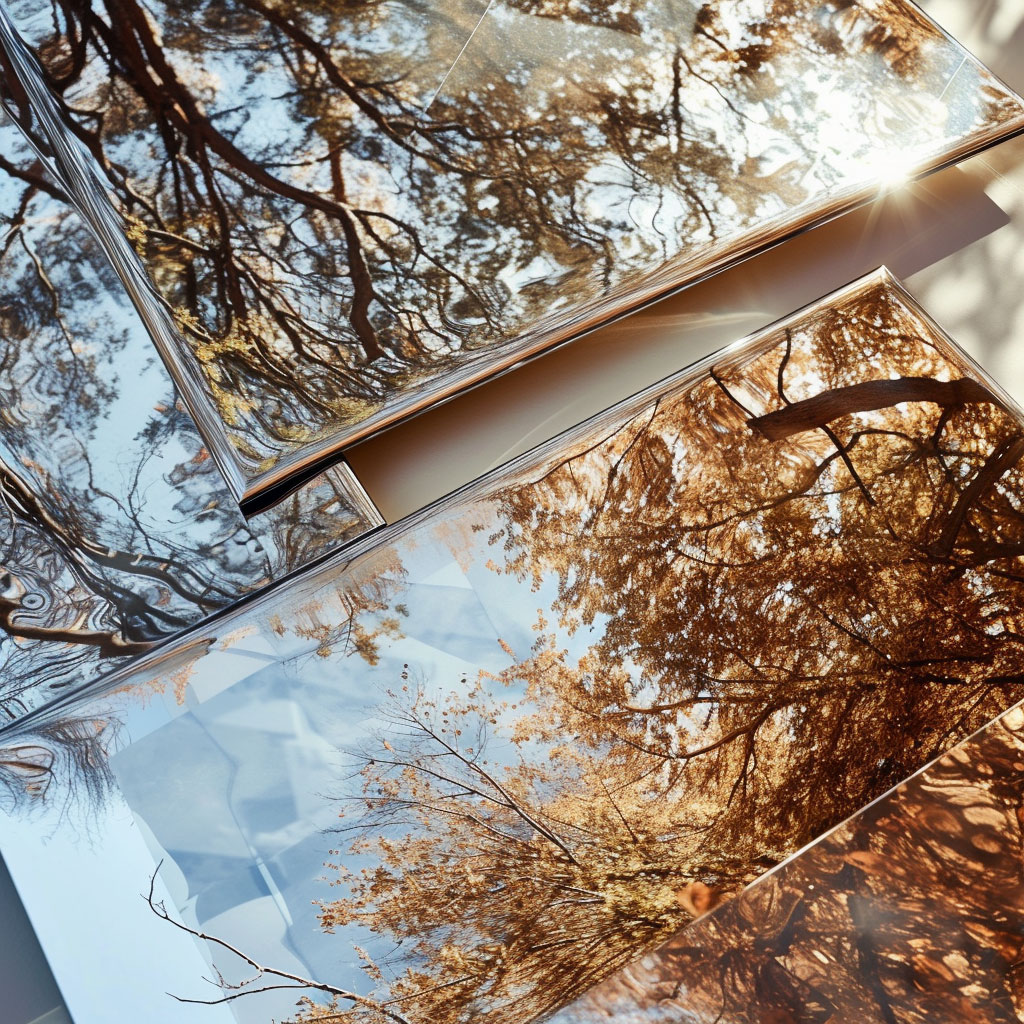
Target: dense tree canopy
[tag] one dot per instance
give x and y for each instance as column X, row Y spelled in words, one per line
column 906, row 913
column 764, row 596
column 779, row 592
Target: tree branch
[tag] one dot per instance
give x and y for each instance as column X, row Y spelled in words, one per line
column 159, row 908
column 815, row 412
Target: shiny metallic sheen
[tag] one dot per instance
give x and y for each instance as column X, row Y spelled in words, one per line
column 332, row 217
column 116, row 530
column 908, row 912
column 533, row 731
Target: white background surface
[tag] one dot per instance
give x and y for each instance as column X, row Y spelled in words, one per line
column 113, row 955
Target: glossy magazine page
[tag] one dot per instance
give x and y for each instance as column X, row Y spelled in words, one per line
column 116, row 530
column 483, row 760
column 333, row 216
column 909, row 911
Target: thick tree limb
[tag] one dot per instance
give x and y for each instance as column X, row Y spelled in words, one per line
column 814, row 413
column 1000, row 462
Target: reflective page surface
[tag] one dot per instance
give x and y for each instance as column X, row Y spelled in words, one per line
column 474, row 765
column 346, row 212
column 908, row 912
column 116, row 530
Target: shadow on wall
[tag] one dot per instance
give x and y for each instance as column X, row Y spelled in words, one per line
column 976, row 292
column 30, row 994
column 992, row 29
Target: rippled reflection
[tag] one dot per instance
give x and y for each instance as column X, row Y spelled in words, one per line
column 348, row 211
column 535, row 730
column 909, row 912
column 116, row 530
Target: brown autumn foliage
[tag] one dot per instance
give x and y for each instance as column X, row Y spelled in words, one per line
column 768, row 594
column 804, row 579
column 909, row 912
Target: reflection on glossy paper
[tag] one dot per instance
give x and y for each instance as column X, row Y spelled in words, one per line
column 535, row 730
column 909, row 912
column 116, row 529
column 347, row 215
